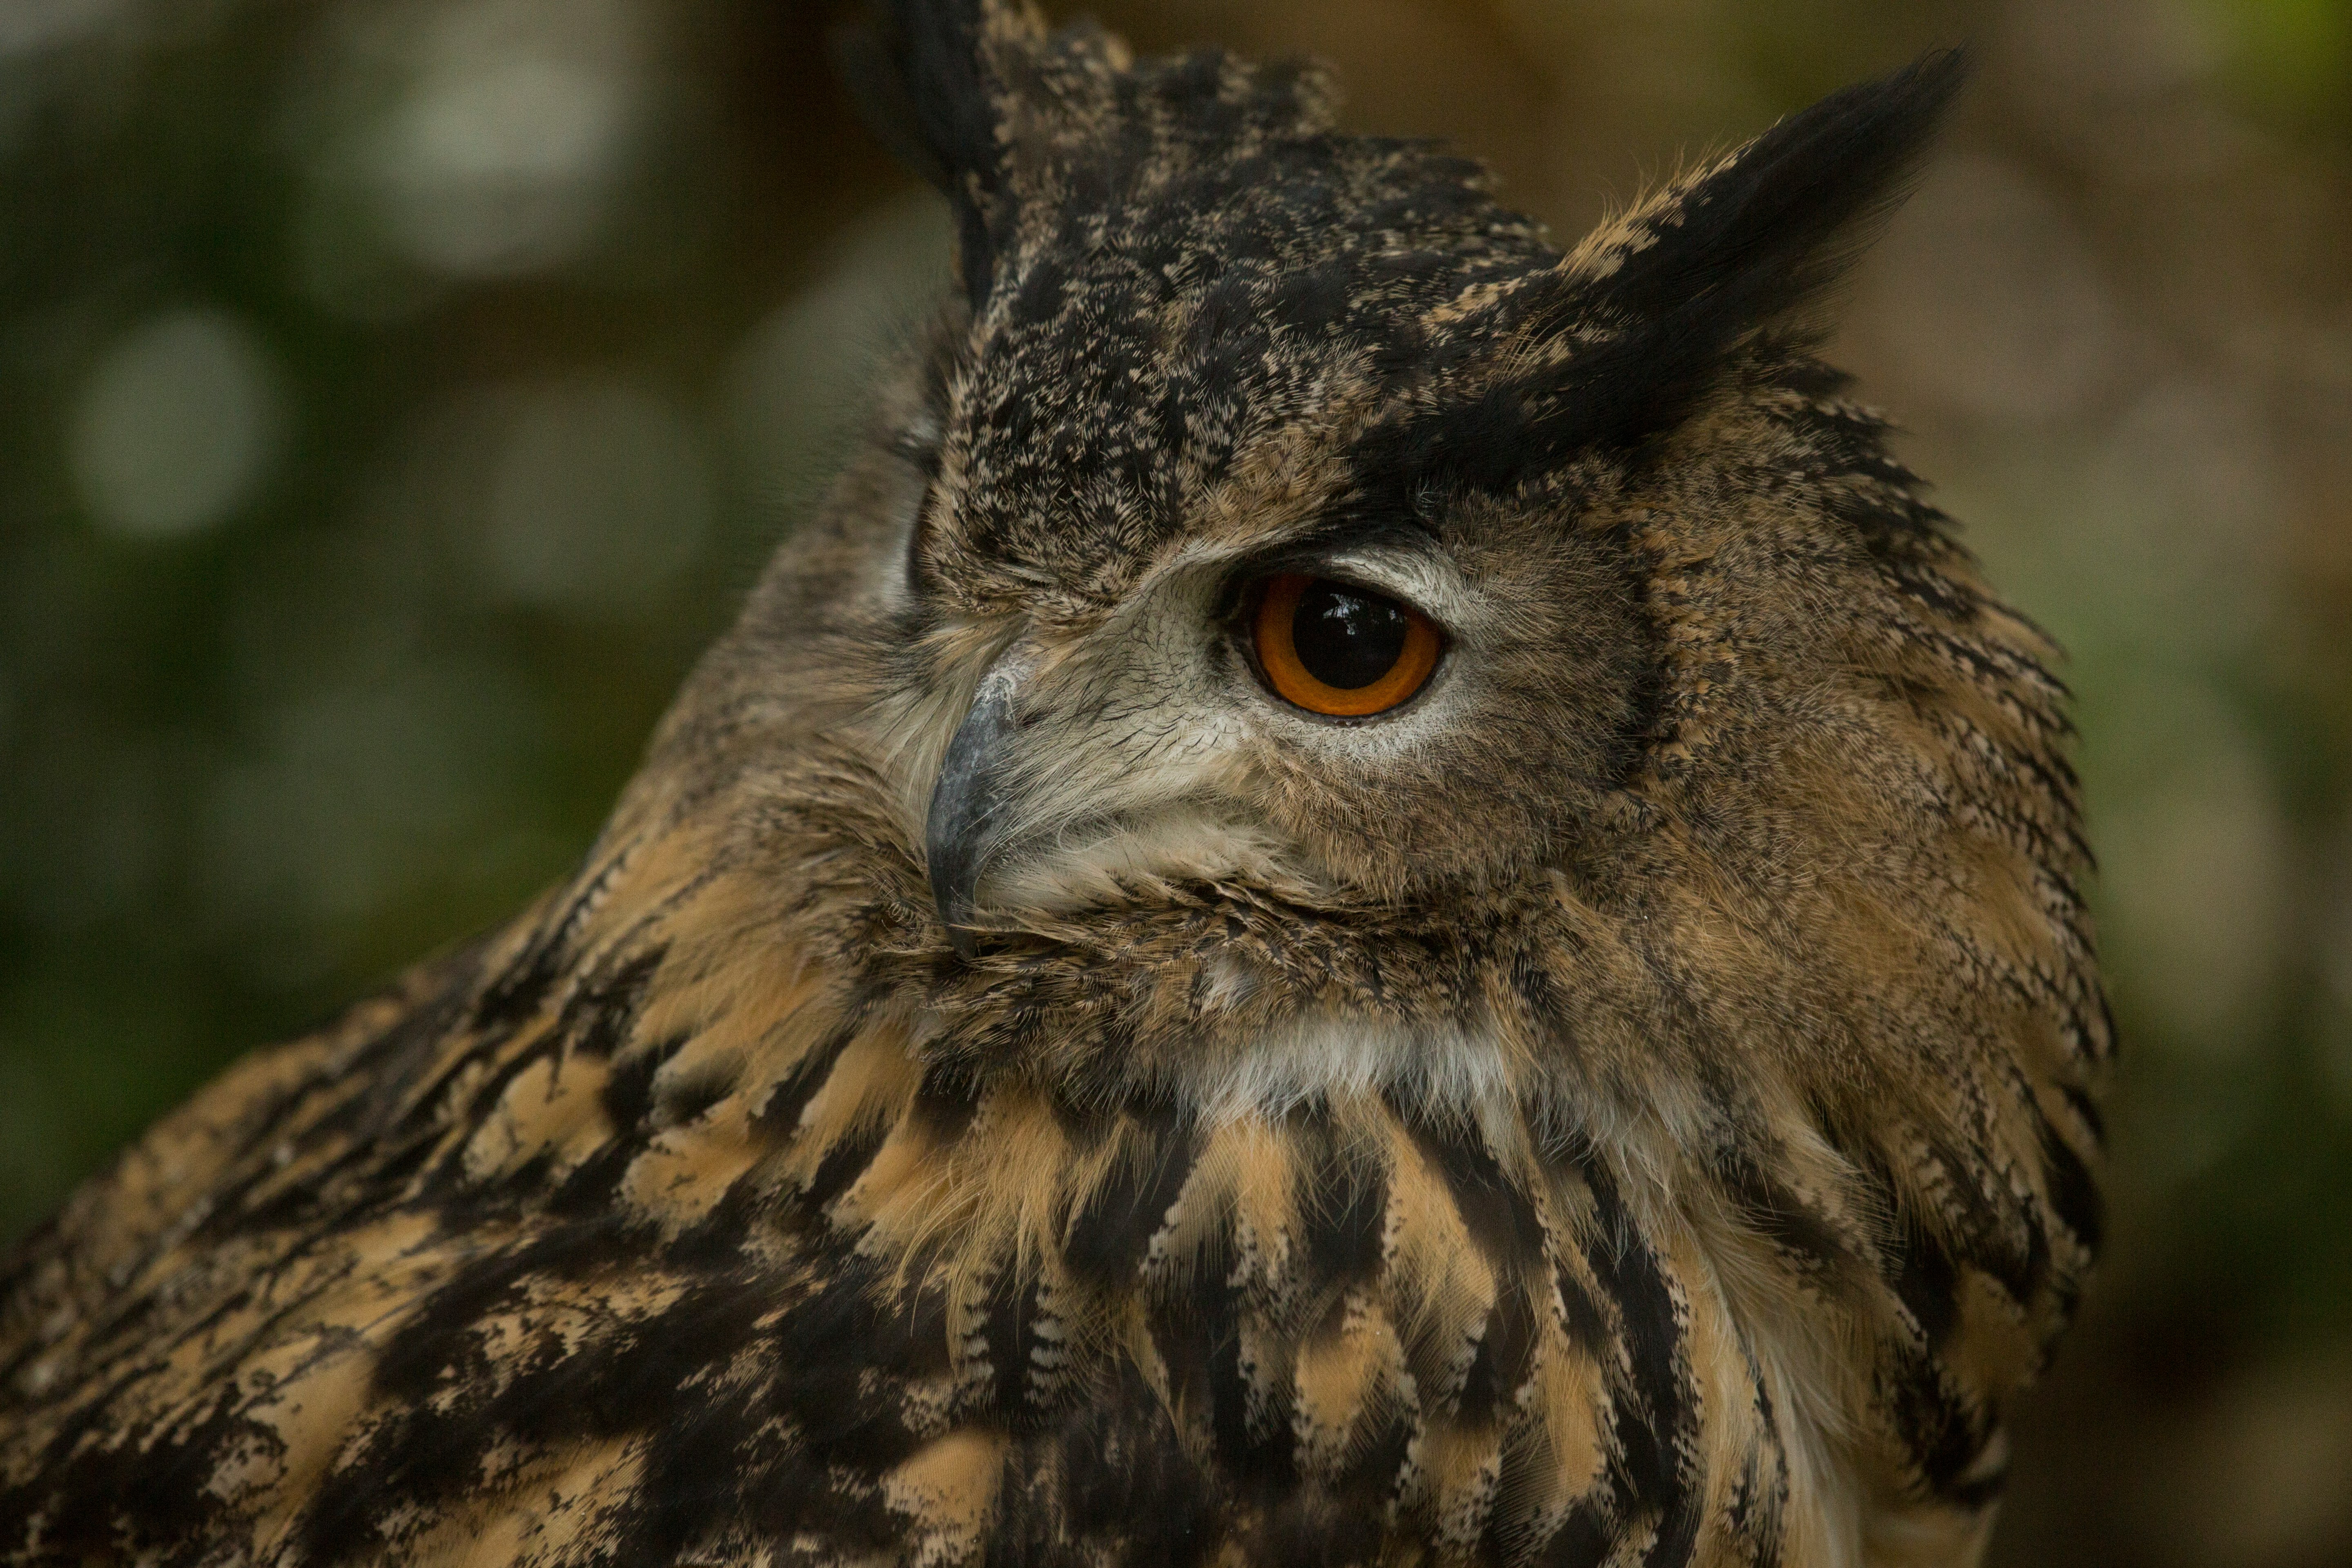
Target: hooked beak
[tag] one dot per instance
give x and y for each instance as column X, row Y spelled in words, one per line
column 959, row 832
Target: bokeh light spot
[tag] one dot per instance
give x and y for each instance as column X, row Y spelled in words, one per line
column 176, row 425
column 504, row 166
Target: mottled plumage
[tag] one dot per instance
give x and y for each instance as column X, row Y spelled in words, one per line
column 1632, row 1103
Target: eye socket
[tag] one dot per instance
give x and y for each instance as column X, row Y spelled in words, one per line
column 1340, row 651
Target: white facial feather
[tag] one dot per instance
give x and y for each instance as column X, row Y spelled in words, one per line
column 1140, row 738
column 1090, row 867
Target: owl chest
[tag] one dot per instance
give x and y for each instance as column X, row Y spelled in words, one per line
column 1335, row 1328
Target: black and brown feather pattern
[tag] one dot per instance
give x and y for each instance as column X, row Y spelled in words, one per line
column 1663, row 1134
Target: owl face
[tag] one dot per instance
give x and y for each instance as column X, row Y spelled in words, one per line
column 1291, row 513
column 1329, row 698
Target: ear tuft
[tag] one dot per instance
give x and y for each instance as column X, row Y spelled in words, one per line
column 1766, row 231
column 1753, row 243
column 928, row 77
column 1634, row 332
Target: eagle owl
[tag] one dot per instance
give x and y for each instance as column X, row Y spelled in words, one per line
column 1370, row 894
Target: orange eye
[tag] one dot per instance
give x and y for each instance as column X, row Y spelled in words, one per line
column 1339, row 650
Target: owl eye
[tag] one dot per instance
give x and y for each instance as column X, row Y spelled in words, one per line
column 1340, row 651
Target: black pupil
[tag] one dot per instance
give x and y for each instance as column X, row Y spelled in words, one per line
column 1344, row 639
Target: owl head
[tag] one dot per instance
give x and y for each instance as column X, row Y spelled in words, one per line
column 1295, row 517
column 1296, row 633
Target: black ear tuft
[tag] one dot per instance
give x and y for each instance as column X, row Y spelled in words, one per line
column 1754, row 242
column 1639, row 327
column 922, row 74
column 1766, row 232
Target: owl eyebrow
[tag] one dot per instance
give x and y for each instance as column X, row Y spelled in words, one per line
column 1359, row 525
column 1391, row 551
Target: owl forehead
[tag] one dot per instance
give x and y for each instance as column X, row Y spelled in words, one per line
column 1135, row 347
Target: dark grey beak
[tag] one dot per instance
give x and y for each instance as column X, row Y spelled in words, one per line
column 957, row 834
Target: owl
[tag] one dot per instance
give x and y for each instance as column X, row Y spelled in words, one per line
column 1370, row 894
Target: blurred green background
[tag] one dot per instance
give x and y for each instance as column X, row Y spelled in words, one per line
column 395, row 394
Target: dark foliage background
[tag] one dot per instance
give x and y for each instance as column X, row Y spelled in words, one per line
column 394, row 394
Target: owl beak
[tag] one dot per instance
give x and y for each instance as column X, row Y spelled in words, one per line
column 957, row 833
